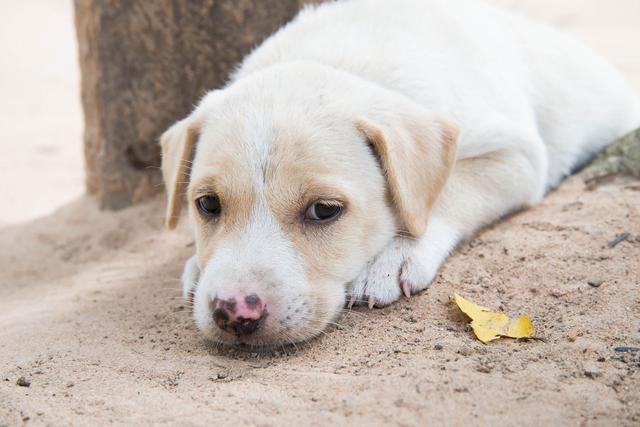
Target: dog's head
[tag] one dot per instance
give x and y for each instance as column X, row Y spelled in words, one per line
column 295, row 178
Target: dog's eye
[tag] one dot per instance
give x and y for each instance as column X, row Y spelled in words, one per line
column 321, row 212
column 209, row 205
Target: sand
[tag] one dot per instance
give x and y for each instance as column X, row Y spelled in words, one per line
column 91, row 315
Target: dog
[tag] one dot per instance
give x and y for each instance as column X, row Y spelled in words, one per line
column 358, row 145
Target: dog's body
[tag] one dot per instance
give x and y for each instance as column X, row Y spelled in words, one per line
column 422, row 120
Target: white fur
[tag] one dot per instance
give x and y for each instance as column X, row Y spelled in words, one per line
column 531, row 105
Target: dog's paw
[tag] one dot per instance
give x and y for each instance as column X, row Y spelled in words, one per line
column 190, row 276
column 398, row 269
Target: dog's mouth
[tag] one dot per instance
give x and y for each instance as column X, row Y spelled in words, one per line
column 265, row 348
column 247, row 321
column 267, row 335
column 259, row 342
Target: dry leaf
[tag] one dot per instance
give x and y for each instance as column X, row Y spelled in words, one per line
column 489, row 325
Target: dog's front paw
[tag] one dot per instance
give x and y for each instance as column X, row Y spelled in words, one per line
column 190, row 276
column 398, row 269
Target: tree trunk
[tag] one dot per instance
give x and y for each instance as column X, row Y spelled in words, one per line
column 144, row 65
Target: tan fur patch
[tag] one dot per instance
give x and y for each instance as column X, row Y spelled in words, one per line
column 417, row 156
column 296, row 179
column 233, row 186
column 178, row 145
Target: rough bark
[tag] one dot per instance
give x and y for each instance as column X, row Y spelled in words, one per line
column 144, row 65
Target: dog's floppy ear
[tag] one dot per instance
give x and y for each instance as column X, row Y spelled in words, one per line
column 416, row 150
column 178, row 147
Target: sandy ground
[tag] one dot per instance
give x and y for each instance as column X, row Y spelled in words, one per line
column 90, row 311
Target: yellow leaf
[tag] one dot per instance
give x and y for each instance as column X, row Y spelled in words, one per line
column 522, row 327
column 489, row 325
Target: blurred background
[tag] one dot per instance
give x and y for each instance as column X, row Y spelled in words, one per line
column 41, row 153
column 41, row 162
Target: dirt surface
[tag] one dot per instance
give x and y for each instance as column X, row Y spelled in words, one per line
column 91, row 316
column 93, row 330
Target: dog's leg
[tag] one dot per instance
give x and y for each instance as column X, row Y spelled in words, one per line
column 190, row 276
column 406, row 265
column 481, row 189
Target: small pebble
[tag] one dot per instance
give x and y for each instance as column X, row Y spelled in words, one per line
column 625, row 349
column 23, row 382
column 437, row 347
column 619, row 239
column 484, row 368
column 222, row 375
column 595, row 282
column 592, row 370
column 464, row 351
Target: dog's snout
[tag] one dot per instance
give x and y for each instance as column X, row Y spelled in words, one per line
column 240, row 315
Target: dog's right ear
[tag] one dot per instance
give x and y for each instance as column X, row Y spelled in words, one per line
column 178, row 148
column 416, row 149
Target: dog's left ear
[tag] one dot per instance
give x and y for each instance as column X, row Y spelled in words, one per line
column 416, row 150
column 178, row 148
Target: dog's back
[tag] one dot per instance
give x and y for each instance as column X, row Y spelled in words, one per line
column 466, row 57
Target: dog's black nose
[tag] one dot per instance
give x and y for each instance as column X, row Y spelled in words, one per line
column 241, row 316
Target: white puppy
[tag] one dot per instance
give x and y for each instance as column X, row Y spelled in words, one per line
column 354, row 149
